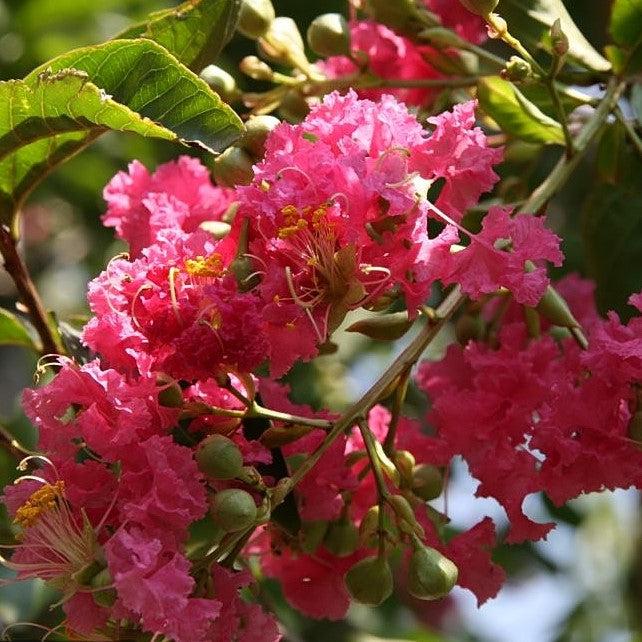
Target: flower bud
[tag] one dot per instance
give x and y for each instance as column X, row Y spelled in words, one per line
column 369, row 524
column 480, row 7
column 311, row 535
column 294, row 107
column 516, row 69
column 329, row 35
column 283, row 43
column 387, row 327
column 404, row 461
column 370, row 580
column 401, row 15
column 441, row 37
column 219, row 80
column 105, row 597
column 257, row 129
column 342, row 538
column 559, row 40
column 233, row 167
column 233, row 509
column 406, row 519
column 256, row 68
column 170, row 394
column 275, row 436
column 427, row 481
column 255, row 17
column 430, row 574
column 218, row 229
column 219, row 457
column 554, row 308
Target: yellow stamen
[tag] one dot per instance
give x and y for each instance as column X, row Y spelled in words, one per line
column 205, row 266
column 41, row 501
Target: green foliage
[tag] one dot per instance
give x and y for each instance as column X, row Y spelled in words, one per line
column 515, row 114
column 123, row 85
column 612, row 228
column 626, row 31
column 195, row 31
column 532, row 21
column 13, row 332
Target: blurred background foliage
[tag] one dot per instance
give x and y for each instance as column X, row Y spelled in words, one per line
column 583, row 584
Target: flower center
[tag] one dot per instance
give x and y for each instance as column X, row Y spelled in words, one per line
column 41, row 501
column 206, row 267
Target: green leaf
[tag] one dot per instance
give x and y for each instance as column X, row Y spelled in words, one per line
column 13, row 332
column 531, row 21
column 195, row 31
column 612, row 234
column 123, row 85
column 515, row 114
column 626, row 30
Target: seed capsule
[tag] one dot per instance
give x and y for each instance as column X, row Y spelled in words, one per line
column 257, row 130
column 370, row 580
column 430, row 574
column 233, row 509
column 219, row 457
column 233, row 167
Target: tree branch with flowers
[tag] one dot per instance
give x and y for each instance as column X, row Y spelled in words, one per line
column 173, row 469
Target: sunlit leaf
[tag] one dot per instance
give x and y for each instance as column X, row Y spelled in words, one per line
column 195, row 32
column 626, row 30
column 13, row 331
column 515, row 114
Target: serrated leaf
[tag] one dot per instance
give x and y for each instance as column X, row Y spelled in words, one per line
column 195, row 31
column 626, row 30
column 124, row 85
column 13, row 331
column 531, row 21
column 515, row 114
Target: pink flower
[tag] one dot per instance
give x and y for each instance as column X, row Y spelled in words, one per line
column 463, row 22
column 179, row 195
column 239, row 620
column 84, row 616
column 339, row 215
column 177, row 310
column 154, row 585
column 483, row 266
column 389, row 55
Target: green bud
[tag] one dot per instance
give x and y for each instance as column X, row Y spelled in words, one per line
column 370, row 580
column 102, row 580
column 342, row 538
column 257, row 129
column 233, row 167
column 294, row 461
column 554, row 308
column 369, row 524
column 469, row 327
column 218, row 229
column 311, row 535
column 387, row 327
column 283, row 43
column 430, row 574
column 404, row 461
column 559, row 40
column 441, row 37
column 329, row 35
column 255, row 18
column 219, row 457
column 480, row 7
column 294, row 107
column 170, row 395
column 401, row 15
column 219, row 80
column 233, row 509
column 256, row 68
column 427, row 481
column 516, row 69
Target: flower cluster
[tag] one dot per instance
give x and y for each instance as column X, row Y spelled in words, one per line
column 394, row 56
column 170, row 454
